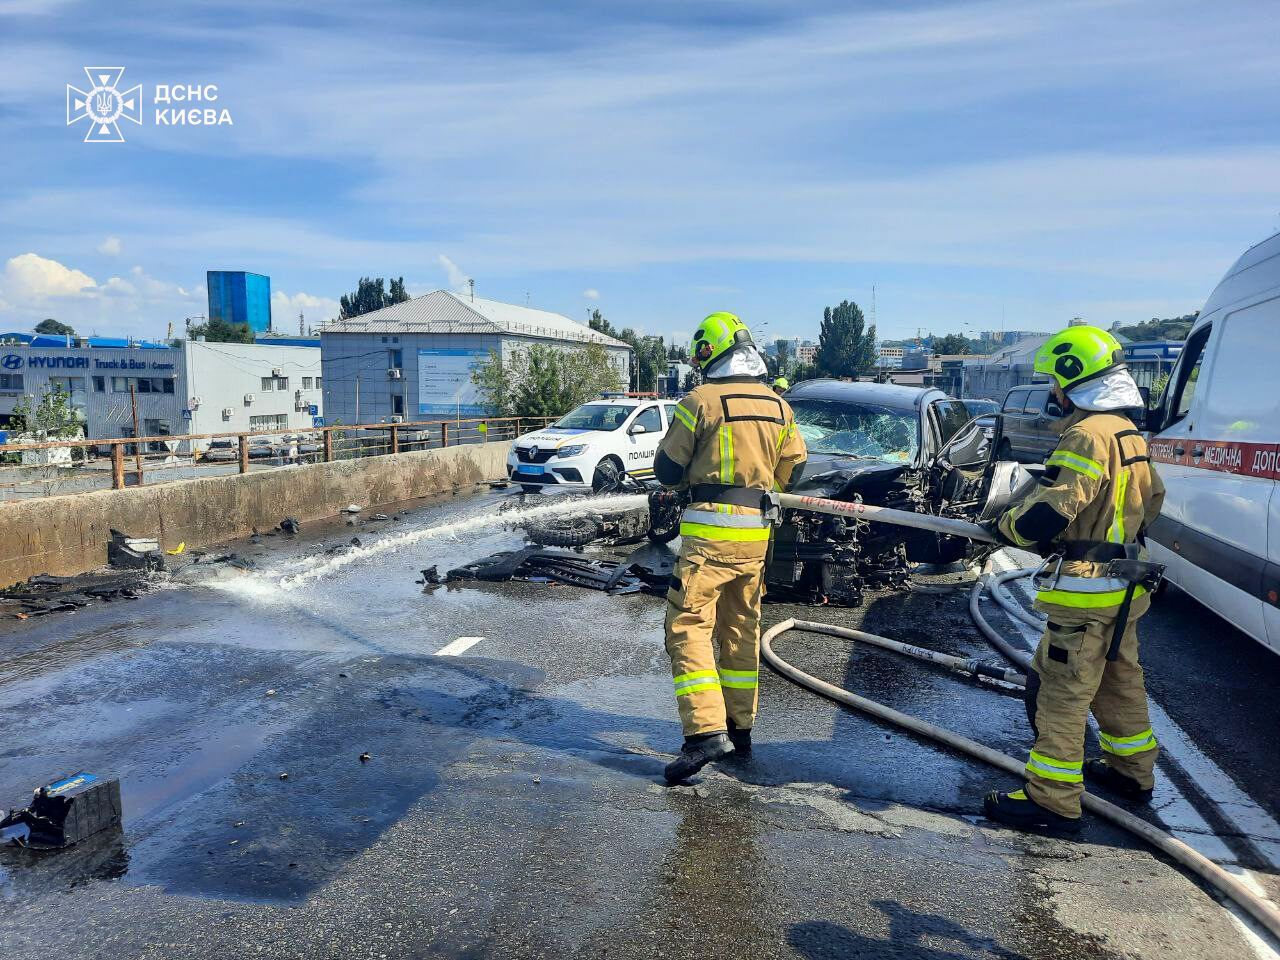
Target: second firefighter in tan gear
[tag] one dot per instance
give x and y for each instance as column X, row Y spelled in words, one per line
column 1098, row 494
column 732, row 441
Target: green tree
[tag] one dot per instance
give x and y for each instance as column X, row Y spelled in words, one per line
column 951, row 343
column 51, row 325
column 371, row 294
column 783, row 350
column 846, row 347
column 648, row 354
column 544, row 381
column 1175, row 328
column 52, row 415
column 217, row 330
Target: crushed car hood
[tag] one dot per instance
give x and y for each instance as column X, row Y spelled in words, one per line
column 839, row 478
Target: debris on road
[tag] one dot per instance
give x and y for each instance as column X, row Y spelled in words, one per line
column 134, row 553
column 647, row 569
column 45, row 593
column 65, row 812
column 290, row 525
column 353, row 508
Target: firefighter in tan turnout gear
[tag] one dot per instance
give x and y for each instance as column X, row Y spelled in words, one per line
column 1087, row 516
column 733, row 441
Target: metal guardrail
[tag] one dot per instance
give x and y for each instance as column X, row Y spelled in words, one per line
column 338, row 442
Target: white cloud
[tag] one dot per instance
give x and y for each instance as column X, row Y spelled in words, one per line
column 30, row 276
column 110, row 247
column 457, row 279
column 591, row 293
column 315, row 310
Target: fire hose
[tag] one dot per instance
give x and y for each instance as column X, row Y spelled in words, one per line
column 1257, row 907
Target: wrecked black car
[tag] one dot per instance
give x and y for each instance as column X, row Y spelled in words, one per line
column 908, row 448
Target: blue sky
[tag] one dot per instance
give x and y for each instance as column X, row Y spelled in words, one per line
column 974, row 161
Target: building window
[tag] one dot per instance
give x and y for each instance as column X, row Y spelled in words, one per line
column 10, row 381
column 282, row 383
column 119, row 384
column 318, row 383
column 270, row 421
column 268, row 383
column 384, row 339
column 397, row 404
column 395, row 339
column 395, row 358
column 306, row 383
column 99, row 384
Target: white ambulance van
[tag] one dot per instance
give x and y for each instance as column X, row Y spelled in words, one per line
column 1216, row 445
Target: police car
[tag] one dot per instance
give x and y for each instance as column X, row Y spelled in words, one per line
column 593, row 446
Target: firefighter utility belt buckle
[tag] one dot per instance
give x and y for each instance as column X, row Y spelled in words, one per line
column 1138, row 572
column 771, row 508
column 1042, row 580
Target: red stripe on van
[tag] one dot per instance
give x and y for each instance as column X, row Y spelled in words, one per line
column 1224, row 456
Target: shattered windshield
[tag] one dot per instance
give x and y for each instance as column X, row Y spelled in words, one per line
column 857, row 429
column 595, row 416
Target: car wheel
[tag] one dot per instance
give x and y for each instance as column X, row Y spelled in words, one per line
column 1005, row 451
column 563, row 531
column 665, row 511
column 607, row 478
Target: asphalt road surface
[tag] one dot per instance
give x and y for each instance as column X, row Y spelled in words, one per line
column 512, row 803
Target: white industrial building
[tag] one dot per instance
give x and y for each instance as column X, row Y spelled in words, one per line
column 183, row 388
column 413, row 360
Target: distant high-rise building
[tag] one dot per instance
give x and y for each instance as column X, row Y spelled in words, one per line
column 239, row 297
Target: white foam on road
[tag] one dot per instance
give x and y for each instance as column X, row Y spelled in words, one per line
column 267, row 586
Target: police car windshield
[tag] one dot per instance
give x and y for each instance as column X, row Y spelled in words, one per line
column 595, row 416
column 857, row 429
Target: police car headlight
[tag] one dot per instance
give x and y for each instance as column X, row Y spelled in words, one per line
column 573, row 451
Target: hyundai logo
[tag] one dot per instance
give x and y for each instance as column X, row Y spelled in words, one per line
column 11, row 361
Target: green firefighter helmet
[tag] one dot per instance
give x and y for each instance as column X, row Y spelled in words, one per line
column 1078, row 354
column 715, row 336
column 782, row 384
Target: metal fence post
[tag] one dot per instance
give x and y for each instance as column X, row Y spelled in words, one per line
column 244, row 453
column 328, row 445
column 444, row 434
column 395, row 439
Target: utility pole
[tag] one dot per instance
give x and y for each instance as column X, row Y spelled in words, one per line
column 472, row 284
column 302, row 325
column 357, row 396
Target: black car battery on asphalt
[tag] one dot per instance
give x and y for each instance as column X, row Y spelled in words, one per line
column 66, row 811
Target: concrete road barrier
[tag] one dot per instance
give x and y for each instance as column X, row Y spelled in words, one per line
column 68, row 535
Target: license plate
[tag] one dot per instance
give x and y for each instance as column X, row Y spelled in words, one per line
column 531, row 468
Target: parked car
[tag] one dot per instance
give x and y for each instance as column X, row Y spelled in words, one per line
column 1030, row 424
column 220, row 451
column 592, row 446
column 1217, row 448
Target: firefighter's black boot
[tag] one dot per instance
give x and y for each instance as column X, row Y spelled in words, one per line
column 696, row 753
column 1018, row 810
column 1099, row 773
column 741, row 740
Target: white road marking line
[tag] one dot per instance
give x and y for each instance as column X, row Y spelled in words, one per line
column 1177, row 813
column 459, row 646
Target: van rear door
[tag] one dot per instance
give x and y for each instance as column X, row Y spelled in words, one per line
column 1217, row 458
